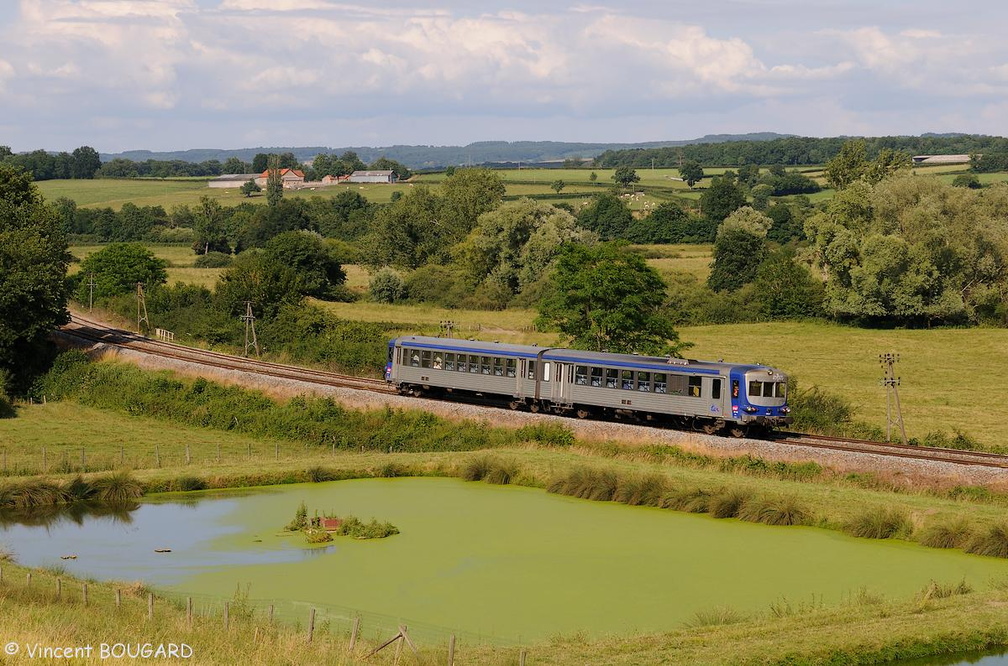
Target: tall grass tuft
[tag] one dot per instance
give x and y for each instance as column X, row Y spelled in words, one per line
column 879, row 524
column 728, row 503
column 26, row 495
column 936, row 590
column 501, row 472
column 696, row 500
column 715, row 617
column 586, row 483
column 117, row 489
column 786, row 510
column 188, row 483
column 476, row 469
column 641, row 490
column 954, row 534
column 992, row 543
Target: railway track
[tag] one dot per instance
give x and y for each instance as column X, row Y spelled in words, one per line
column 94, row 331
column 925, row 453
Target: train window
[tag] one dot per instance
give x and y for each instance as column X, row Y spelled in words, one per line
column 781, row 390
column 626, row 380
column 581, row 375
column 755, row 389
column 531, row 370
column 596, row 376
column 485, row 365
column 716, row 389
column 610, row 377
column 644, row 382
column 438, row 362
column 509, row 367
column 425, row 359
column 474, row 364
column 768, row 389
column 460, row 363
column 449, row 361
column 546, row 371
column 677, row 384
column 660, row 385
column 694, row 387
column 414, row 358
column 399, row 354
column 498, row 366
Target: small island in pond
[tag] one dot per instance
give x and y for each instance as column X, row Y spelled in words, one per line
column 321, row 529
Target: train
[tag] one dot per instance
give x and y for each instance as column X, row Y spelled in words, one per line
column 708, row 396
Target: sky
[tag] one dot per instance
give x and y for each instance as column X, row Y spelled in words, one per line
column 178, row 74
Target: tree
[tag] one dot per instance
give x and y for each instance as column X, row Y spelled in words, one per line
column 118, row 267
column 557, row 185
column 235, row 165
column 274, row 182
column 625, row 176
column 969, row 180
column 318, row 271
column 785, row 289
column 606, row 215
column 848, row 166
column 608, row 298
column 85, row 162
column 210, row 226
column 739, row 249
column 669, row 223
column 249, row 187
column 387, row 286
column 721, row 198
column 33, row 265
column 467, row 194
column 691, row 172
column 385, row 164
column 513, row 246
column 260, row 162
column 593, row 177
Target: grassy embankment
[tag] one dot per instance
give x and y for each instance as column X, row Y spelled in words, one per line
column 866, row 628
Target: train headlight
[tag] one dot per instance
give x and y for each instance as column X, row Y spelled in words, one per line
column 750, row 409
column 785, row 410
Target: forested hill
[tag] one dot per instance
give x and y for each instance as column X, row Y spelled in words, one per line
column 425, row 157
column 795, row 150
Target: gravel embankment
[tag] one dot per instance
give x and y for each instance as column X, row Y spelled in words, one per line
column 898, row 469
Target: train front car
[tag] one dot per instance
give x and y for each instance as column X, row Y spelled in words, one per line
column 759, row 397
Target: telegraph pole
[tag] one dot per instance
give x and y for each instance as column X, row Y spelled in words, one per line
column 892, row 382
column 141, row 309
column 250, row 333
column 91, row 285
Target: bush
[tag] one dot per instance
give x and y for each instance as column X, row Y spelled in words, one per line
column 879, row 524
column 213, row 260
column 189, row 483
column 387, row 286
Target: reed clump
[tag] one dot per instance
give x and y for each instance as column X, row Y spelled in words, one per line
column 992, row 543
column 783, row 510
column 590, row 483
column 879, row 524
column 957, row 533
column 728, row 503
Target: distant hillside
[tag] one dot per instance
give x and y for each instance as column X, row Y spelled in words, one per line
column 429, row 157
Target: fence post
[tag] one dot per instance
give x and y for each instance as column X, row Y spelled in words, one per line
column 398, row 645
column 521, row 658
column 118, row 598
column 451, row 650
column 277, row 450
column 45, row 462
column 59, row 588
column 353, row 634
column 83, row 462
column 188, row 458
column 227, row 616
column 84, row 593
column 29, row 579
column 271, row 614
column 157, row 455
column 122, row 456
column 150, row 605
column 188, row 611
column 311, row 626
column 218, row 451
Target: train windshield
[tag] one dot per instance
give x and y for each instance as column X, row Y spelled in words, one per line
column 759, row 389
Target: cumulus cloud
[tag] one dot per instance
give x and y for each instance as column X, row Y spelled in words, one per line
column 327, row 60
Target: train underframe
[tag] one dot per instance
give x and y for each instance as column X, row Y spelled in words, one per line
column 707, row 425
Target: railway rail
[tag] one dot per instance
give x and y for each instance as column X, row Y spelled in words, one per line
column 97, row 332
column 94, row 331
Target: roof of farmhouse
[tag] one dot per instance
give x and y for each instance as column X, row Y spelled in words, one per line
column 373, row 173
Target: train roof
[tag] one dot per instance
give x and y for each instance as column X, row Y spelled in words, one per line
column 655, row 363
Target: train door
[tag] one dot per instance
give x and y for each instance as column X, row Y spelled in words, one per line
column 736, row 380
column 715, row 398
column 560, row 389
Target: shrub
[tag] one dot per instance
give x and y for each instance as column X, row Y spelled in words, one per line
column 727, row 503
column 955, row 534
column 189, row 483
column 354, row 527
column 387, row 286
column 548, row 434
column 300, row 520
column 775, row 511
column 879, row 524
column 318, row 474
column 993, row 543
column 213, row 260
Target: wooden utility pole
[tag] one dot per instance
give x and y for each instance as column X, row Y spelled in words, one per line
column 892, row 382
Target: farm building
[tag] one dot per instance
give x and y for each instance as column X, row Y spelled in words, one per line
column 940, row 159
column 231, row 180
column 373, row 177
column 292, row 178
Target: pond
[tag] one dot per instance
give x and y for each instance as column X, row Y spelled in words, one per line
column 507, row 563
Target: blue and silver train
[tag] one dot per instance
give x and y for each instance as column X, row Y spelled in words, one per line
column 707, row 396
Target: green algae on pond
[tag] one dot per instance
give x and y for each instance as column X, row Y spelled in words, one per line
column 520, row 563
